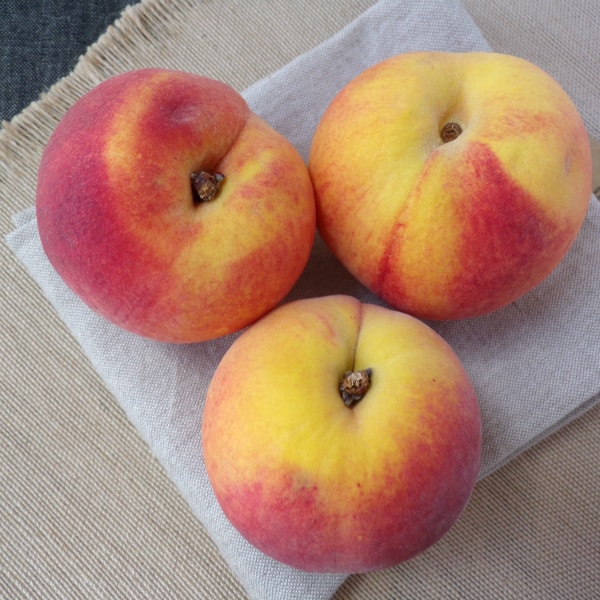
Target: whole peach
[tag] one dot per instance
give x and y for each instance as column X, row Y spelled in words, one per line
column 171, row 209
column 450, row 184
column 340, row 436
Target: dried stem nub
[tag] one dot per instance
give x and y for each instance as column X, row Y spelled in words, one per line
column 354, row 386
column 450, row 131
column 205, row 186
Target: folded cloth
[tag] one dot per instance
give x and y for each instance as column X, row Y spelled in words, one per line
column 534, row 364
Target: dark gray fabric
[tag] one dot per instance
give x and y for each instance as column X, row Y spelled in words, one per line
column 41, row 40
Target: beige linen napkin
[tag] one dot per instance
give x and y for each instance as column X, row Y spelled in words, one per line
column 535, row 364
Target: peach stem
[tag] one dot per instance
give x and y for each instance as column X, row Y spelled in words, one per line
column 354, row 386
column 450, row 131
column 205, row 186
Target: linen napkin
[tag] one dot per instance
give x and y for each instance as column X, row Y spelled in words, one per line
column 534, row 364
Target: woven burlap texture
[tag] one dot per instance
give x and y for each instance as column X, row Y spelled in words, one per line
column 85, row 509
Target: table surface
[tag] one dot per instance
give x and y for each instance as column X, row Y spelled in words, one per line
column 85, row 510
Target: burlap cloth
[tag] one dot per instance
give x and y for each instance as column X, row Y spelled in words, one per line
column 86, row 511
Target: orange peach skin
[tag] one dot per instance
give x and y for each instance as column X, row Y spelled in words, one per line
column 118, row 221
column 456, row 229
column 323, row 487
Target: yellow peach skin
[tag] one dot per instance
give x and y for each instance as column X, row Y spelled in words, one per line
column 327, row 487
column 120, row 220
column 451, row 184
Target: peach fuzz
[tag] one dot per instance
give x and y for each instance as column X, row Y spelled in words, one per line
column 451, row 184
column 325, row 486
column 121, row 223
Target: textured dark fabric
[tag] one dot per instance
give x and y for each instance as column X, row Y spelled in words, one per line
column 41, row 40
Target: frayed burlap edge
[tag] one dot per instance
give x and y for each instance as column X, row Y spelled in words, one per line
column 148, row 21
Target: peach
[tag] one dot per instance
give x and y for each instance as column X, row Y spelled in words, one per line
column 171, row 209
column 450, row 184
column 341, row 436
